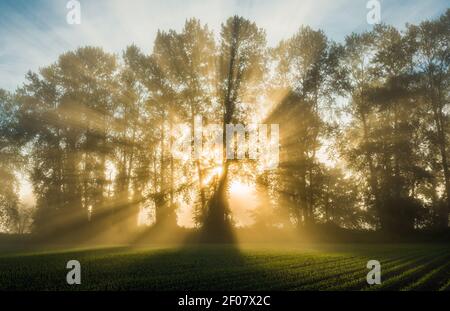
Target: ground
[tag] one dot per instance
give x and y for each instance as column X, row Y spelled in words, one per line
column 244, row 267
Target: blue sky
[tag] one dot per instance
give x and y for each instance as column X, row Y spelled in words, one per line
column 34, row 32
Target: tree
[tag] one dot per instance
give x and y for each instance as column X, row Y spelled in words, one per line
column 9, row 162
column 242, row 63
column 64, row 115
column 305, row 73
column 431, row 40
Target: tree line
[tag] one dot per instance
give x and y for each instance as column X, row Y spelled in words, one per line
column 94, row 131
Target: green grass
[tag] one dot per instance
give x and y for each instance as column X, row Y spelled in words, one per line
column 289, row 267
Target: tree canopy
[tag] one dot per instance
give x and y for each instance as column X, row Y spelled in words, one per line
column 364, row 131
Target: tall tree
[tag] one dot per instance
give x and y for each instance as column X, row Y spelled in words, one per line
column 242, row 63
column 9, row 163
column 65, row 112
column 433, row 60
column 305, row 70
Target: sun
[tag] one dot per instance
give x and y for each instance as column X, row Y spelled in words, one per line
column 217, row 171
column 243, row 201
column 238, row 188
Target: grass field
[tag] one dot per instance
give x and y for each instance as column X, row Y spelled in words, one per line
column 249, row 267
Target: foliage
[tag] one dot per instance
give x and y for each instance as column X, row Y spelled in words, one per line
column 98, row 130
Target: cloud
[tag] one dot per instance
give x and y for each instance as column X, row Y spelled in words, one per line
column 34, row 33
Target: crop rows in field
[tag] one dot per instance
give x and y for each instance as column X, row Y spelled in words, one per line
column 335, row 267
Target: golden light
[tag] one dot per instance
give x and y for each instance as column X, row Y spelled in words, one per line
column 238, row 188
column 243, row 201
column 217, row 171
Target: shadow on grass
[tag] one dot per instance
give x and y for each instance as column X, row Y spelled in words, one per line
column 205, row 267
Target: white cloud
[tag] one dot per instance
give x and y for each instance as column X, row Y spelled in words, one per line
column 30, row 39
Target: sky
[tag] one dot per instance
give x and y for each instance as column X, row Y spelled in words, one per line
column 34, row 32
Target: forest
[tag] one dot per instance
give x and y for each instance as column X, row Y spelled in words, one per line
column 364, row 134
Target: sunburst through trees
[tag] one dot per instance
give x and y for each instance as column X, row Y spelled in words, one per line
column 363, row 134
